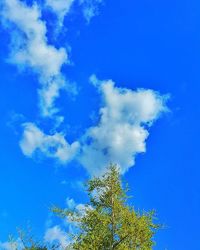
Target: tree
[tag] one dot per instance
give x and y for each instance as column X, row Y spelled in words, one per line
column 108, row 222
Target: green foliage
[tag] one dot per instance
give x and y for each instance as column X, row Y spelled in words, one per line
column 108, row 222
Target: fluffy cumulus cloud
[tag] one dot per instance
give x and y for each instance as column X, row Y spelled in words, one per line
column 30, row 48
column 56, row 235
column 121, row 133
column 54, row 146
column 125, row 115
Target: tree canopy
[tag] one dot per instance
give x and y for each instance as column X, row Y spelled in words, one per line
column 108, row 221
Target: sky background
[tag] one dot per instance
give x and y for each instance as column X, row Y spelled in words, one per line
column 138, row 44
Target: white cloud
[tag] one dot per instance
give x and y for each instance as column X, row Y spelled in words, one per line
column 12, row 245
column 30, row 48
column 123, row 119
column 48, row 94
column 53, row 146
column 57, row 235
column 60, row 7
column 79, row 208
column 119, row 136
column 90, row 8
column 70, row 203
column 7, row 246
column 123, row 127
column 61, row 234
column 74, row 184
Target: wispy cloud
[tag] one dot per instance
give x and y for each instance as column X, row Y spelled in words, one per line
column 11, row 245
column 56, row 235
column 60, row 7
column 90, row 8
column 60, row 234
column 30, row 48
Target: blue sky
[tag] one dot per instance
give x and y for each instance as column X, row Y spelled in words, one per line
column 55, row 117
